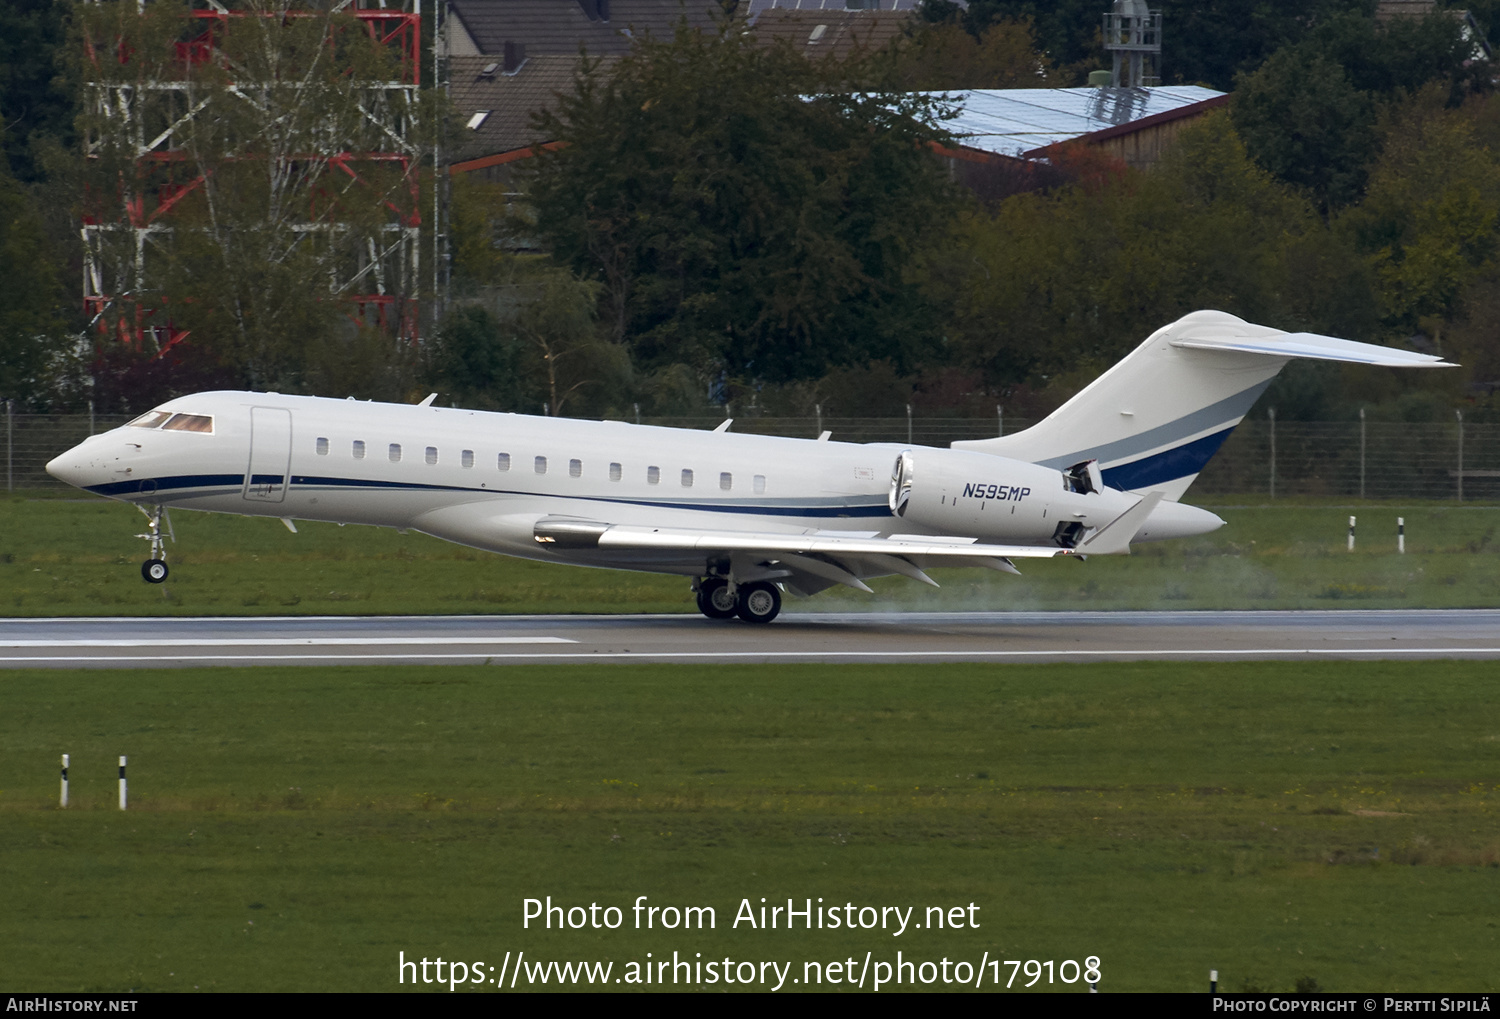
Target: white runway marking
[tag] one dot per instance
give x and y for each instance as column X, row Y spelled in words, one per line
column 828, row 656
column 282, row 641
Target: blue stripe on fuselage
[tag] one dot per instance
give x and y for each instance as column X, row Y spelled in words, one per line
column 179, row 487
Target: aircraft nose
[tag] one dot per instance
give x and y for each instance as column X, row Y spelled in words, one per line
column 77, row 467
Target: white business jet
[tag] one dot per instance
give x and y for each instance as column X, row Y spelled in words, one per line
column 743, row 516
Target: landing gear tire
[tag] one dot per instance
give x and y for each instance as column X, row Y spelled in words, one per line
column 714, row 599
column 154, row 570
column 759, row 602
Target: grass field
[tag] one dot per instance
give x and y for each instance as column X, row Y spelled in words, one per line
column 297, row 828
column 66, row 557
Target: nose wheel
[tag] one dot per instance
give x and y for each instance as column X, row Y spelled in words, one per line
column 154, row 570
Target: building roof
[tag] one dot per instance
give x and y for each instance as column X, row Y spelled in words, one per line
column 603, row 27
column 837, row 33
column 755, row 8
column 1018, row 122
column 510, row 100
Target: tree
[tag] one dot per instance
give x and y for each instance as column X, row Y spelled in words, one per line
column 944, row 55
column 1308, row 114
column 1429, row 224
column 1052, row 287
column 226, row 187
column 33, row 102
column 745, row 210
column 32, row 326
column 1305, row 122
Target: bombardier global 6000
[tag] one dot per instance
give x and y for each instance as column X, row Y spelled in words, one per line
column 744, row 516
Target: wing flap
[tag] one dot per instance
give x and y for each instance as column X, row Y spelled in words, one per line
column 568, row 532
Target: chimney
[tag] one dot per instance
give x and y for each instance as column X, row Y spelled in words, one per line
column 515, row 56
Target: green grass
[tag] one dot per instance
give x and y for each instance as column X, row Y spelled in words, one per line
column 296, row 828
column 63, row 557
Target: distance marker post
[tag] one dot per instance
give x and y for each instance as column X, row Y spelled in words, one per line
column 1401, row 536
column 63, row 799
column 122, row 781
column 1351, row 534
column 1213, row 981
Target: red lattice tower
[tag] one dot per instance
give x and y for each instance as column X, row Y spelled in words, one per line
column 124, row 234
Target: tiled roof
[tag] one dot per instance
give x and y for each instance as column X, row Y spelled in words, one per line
column 561, row 26
column 755, row 8
column 819, row 33
column 510, row 99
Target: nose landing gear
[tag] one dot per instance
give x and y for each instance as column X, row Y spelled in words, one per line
column 154, row 570
column 757, row 602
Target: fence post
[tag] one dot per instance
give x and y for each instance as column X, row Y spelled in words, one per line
column 999, row 420
column 1271, row 415
column 1460, row 415
column 818, row 409
column 908, row 424
column 10, row 428
column 1361, row 452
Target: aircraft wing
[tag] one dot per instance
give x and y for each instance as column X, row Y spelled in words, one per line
column 829, row 556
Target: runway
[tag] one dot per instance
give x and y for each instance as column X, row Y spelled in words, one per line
column 913, row 638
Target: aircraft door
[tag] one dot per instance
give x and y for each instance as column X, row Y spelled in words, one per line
column 270, row 454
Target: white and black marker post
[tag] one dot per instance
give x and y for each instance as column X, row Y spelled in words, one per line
column 1351, row 534
column 1401, row 535
column 63, row 799
column 1213, row 981
column 122, row 781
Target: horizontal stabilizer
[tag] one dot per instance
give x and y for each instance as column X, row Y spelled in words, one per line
column 1311, row 345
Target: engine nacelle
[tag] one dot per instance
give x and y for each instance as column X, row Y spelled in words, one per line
column 996, row 499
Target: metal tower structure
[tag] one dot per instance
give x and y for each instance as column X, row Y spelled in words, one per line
column 1132, row 35
column 359, row 197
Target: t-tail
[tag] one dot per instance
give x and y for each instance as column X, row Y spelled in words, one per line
column 1153, row 420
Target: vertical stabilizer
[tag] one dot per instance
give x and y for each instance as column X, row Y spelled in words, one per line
column 1154, row 419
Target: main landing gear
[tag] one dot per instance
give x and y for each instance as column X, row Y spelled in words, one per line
column 154, row 570
column 756, row 602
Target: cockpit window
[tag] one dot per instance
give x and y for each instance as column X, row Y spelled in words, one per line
column 151, row 419
column 189, row 423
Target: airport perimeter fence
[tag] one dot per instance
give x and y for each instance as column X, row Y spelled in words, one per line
column 1374, row 460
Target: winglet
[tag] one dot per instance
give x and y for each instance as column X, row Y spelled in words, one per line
column 1114, row 538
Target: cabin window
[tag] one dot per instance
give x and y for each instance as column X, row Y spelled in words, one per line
column 615, row 472
column 726, row 481
column 151, row 419
column 503, row 461
column 189, row 423
column 432, row 454
column 653, row 475
column 466, row 458
column 575, row 468
column 359, row 449
column 395, row 452
column 687, row 478
column 541, row 465
column 322, row 446
column 760, row 484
